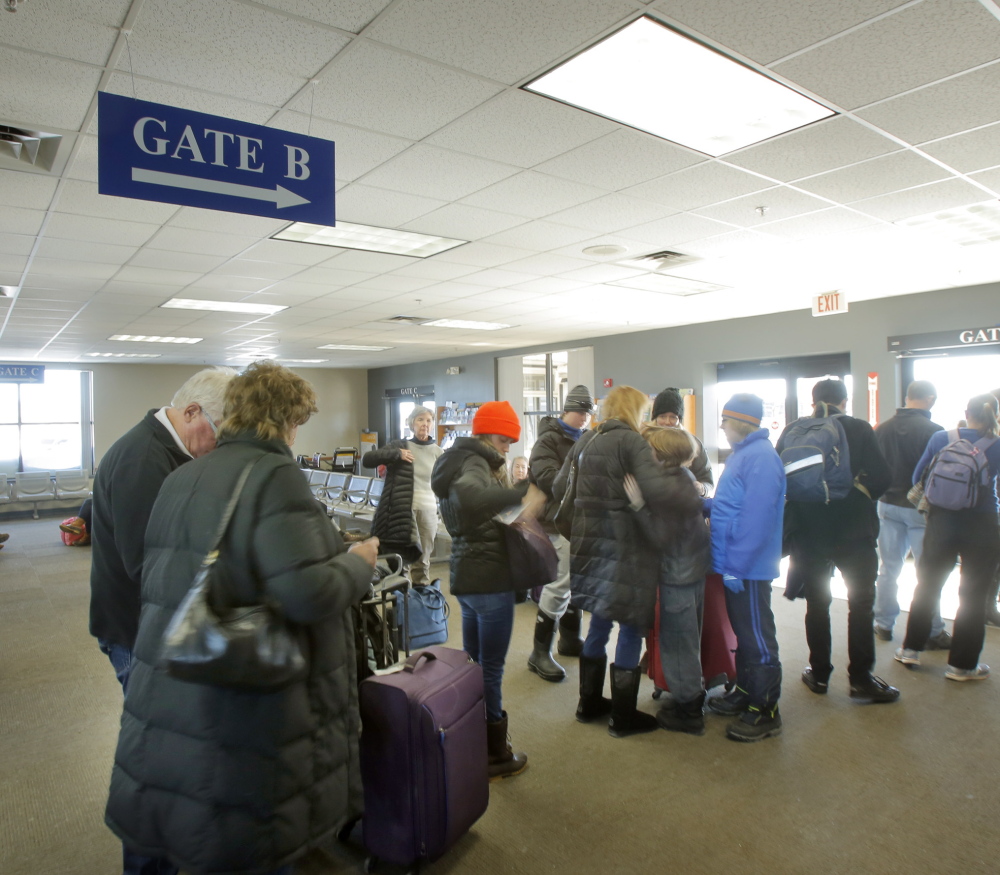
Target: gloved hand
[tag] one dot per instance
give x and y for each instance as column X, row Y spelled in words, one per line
column 733, row 584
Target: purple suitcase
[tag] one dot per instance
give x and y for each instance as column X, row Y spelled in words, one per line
column 423, row 756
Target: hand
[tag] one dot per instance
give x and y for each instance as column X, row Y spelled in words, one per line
column 406, row 456
column 733, row 584
column 533, row 502
column 367, row 550
column 633, row 492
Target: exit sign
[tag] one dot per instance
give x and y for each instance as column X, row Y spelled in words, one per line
column 831, row 302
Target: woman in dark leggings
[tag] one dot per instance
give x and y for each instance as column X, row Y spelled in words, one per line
column 969, row 534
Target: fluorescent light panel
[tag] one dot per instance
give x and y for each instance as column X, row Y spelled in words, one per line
column 367, row 237
column 222, row 306
column 655, row 79
column 304, row 361
column 124, row 355
column 153, row 338
column 355, row 348
column 966, row 226
column 464, row 323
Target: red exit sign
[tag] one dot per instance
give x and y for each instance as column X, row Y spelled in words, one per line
column 831, row 302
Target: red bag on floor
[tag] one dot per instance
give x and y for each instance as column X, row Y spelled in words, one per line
column 718, row 641
column 74, row 532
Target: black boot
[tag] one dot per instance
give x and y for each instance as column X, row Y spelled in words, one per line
column 503, row 762
column 570, row 642
column 625, row 719
column 593, row 704
column 992, row 614
column 684, row 716
column 541, row 661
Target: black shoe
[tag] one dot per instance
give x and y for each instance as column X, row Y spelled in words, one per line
column 732, row 704
column 941, row 641
column 814, row 683
column 755, row 725
column 683, row 716
column 883, row 634
column 873, row 690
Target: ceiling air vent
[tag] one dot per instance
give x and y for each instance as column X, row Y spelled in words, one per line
column 23, row 148
column 411, row 320
column 660, row 261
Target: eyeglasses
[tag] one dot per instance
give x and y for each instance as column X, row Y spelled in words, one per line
column 211, row 422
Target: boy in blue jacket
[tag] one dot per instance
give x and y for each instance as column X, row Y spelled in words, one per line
column 746, row 518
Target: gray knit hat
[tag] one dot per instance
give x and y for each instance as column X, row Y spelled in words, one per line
column 668, row 401
column 579, row 400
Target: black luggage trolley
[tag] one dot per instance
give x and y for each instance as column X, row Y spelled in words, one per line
column 377, row 619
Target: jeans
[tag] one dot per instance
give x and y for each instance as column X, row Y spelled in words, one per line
column 900, row 529
column 487, row 623
column 629, row 646
column 858, row 563
column 758, row 669
column 555, row 595
column 121, row 660
column 681, row 611
column 952, row 534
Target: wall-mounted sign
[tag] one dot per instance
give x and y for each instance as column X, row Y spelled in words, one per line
column 608, row 383
column 153, row 152
column 910, row 344
column 16, row 372
column 831, row 302
column 409, row 392
column 873, row 399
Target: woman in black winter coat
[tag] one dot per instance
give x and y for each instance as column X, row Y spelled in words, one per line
column 407, row 516
column 613, row 569
column 216, row 780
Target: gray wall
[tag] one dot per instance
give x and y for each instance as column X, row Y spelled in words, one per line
column 686, row 356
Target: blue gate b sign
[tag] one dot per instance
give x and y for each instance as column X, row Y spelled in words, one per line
column 153, row 152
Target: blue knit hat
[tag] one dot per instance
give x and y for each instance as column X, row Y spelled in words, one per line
column 744, row 408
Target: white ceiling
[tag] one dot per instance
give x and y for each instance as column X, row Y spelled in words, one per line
column 434, row 134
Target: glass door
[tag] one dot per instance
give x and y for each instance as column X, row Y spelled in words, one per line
column 957, row 378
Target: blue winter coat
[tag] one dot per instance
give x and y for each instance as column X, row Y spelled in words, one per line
column 747, row 511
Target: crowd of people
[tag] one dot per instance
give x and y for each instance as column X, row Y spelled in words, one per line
column 637, row 523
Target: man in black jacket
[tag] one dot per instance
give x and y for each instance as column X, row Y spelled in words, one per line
column 127, row 482
column 841, row 533
column 555, row 439
column 903, row 439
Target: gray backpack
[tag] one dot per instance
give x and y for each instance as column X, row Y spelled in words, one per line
column 957, row 473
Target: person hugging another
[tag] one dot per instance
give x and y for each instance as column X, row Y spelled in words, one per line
column 681, row 536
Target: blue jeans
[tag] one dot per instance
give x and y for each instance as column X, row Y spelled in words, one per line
column 487, row 623
column 121, row 660
column 900, row 529
column 629, row 646
column 758, row 669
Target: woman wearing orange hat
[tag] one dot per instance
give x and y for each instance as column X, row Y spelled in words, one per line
column 472, row 481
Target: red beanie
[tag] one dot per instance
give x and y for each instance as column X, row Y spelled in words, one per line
column 497, row 417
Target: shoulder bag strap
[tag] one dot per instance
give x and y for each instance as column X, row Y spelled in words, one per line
column 227, row 514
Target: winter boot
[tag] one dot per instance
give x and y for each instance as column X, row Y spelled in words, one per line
column 570, row 642
column 625, row 719
column 684, row 716
column 593, row 704
column 503, row 762
column 541, row 661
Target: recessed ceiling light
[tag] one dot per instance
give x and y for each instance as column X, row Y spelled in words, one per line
column 604, row 249
column 464, row 323
column 222, row 306
column 152, row 338
column 355, row 348
column 124, row 355
column 372, row 239
column 655, row 79
column 305, row 361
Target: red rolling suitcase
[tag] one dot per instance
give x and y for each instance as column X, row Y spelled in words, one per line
column 423, row 756
column 718, row 641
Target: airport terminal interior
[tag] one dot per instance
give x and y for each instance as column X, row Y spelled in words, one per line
column 450, row 202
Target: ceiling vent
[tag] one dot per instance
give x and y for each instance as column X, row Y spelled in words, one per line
column 660, row 261
column 411, row 320
column 26, row 148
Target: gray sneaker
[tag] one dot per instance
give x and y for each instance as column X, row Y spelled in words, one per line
column 907, row 657
column 979, row 673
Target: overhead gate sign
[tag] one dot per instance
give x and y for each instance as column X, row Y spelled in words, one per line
column 153, row 152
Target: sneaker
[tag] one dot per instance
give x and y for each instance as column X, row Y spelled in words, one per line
column 907, row 657
column 755, row 725
column 731, row 704
column 814, row 683
column 979, row 673
column 941, row 641
column 883, row 634
column 873, row 690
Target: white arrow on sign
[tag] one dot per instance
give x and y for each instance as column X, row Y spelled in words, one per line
column 281, row 197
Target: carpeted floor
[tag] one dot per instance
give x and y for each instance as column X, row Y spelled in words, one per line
column 907, row 788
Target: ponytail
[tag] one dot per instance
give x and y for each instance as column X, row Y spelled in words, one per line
column 983, row 409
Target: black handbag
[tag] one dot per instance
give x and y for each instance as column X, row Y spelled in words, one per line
column 246, row 648
column 563, row 518
column 533, row 559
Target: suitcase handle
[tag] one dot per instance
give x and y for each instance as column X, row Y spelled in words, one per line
column 411, row 663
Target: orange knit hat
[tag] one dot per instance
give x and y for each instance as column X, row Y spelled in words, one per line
column 497, row 417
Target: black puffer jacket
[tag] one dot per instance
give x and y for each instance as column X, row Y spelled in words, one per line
column 222, row 781
column 613, row 570
column 547, row 456
column 470, row 498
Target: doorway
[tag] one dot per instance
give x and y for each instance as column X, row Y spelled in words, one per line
column 957, row 376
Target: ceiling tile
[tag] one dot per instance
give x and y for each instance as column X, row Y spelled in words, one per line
column 435, row 269
column 915, row 46
column 14, row 220
column 777, row 203
column 382, row 207
column 176, row 260
column 105, row 253
column 989, row 178
column 522, row 129
column 84, row 30
column 26, row 190
column 699, row 186
column 226, row 223
column 893, row 172
column 202, row 242
column 439, row 173
column 372, row 262
column 463, row 222
column 533, row 195
column 45, row 91
column 611, row 212
column 219, row 282
column 671, row 232
column 483, row 254
column 351, row 15
column 81, row 198
column 289, row 252
column 825, row 222
column 966, row 153
column 920, row 201
column 95, row 230
column 16, row 244
column 540, row 236
column 259, row 269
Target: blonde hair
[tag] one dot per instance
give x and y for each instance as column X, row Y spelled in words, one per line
column 672, row 446
column 267, row 399
column 983, row 408
column 627, row 404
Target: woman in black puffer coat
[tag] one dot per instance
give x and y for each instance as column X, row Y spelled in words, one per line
column 613, row 569
column 223, row 781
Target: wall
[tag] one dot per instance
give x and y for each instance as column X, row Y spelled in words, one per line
column 686, row 356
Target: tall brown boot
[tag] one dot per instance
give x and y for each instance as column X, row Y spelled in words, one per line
column 503, row 762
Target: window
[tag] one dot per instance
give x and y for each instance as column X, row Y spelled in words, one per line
column 47, row 426
column 546, row 382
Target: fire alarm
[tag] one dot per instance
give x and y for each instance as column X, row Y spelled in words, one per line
column 608, row 383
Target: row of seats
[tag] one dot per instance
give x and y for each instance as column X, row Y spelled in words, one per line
column 348, row 495
column 38, row 486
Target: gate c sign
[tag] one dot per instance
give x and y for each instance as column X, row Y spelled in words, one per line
column 153, row 152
